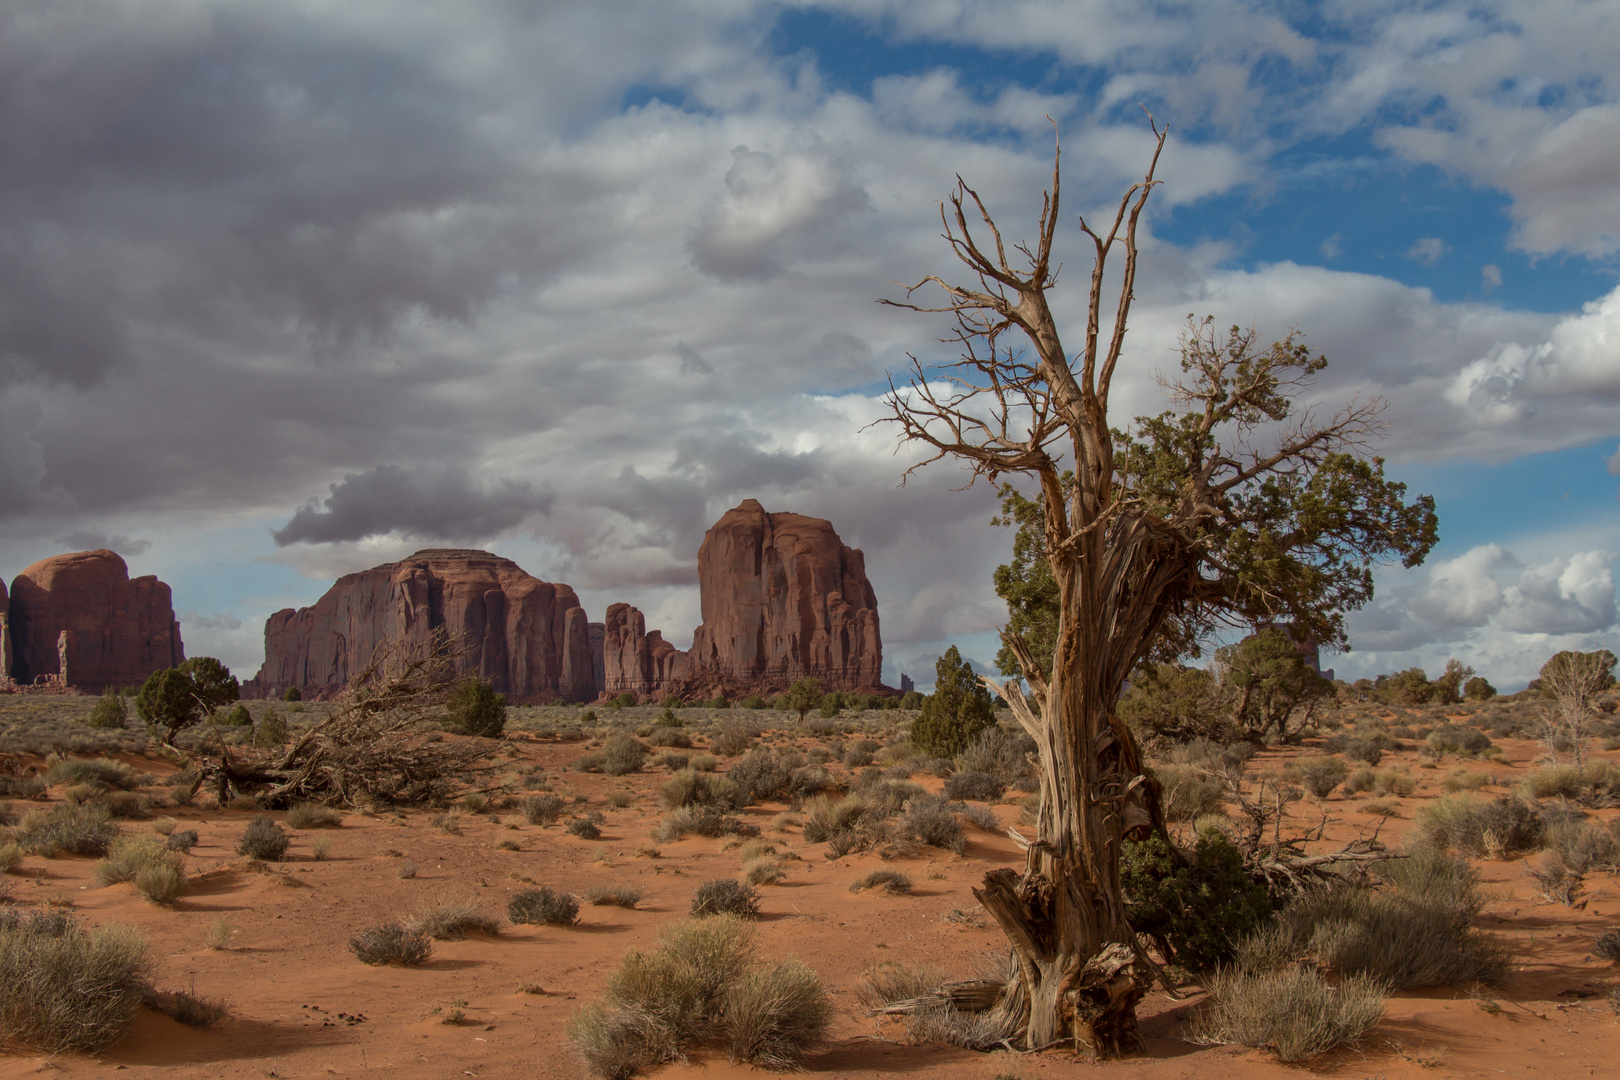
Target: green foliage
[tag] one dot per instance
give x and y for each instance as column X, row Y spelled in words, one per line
column 178, row 697
column 111, row 712
column 956, row 713
column 804, row 695
column 476, row 709
column 1271, row 682
column 1409, row 687
column 270, row 731
column 1448, row 688
column 237, row 717
column 1590, row 673
column 1199, row 908
column 1026, row 583
column 1171, row 703
column 1478, row 689
column 292, row 694
column 66, row 989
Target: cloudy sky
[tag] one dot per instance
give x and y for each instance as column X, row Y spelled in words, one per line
column 288, row 290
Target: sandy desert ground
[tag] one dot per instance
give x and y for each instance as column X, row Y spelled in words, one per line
column 302, row 1006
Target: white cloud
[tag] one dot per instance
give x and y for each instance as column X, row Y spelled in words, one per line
column 1428, row 250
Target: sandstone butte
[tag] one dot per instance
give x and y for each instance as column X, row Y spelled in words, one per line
column 782, row 599
column 80, row 616
column 529, row 638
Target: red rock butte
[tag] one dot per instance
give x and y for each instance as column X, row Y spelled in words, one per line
column 81, row 619
column 783, row 599
column 529, row 638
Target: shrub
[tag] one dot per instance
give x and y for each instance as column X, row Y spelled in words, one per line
column 292, row 694
column 979, row 786
column 735, row 736
column 1188, row 793
column 1583, row 846
column 22, row 787
column 1493, row 829
column 624, row 896
column 127, row 804
column 766, row 871
column 1394, row 782
column 452, row 920
column 725, row 896
column 929, row 819
column 181, row 840
column 1456, row 739
column 65, row 989
column 270, row 732
column 542, row 907
column 704, row 762
column 670, row 736
column 10, row 856
column 263, row 839
column 775, row 1014
column 692, row 788
column 585, row 829
column 1320, row 775
column 147, row 860
column 1365, row 750
column 76, row 830
column 890, row 881
column 623, row 754
column 1002, row 754
column 187, row 1008
column 763, row 773
column 308, row 815
column 160, row 883
column 237, row 717
column 1607, row 946
column 702, row 821
column 1466, row 781
column 956, row 713
column 541, row 809
column 391, row 943
column 1293, row 1011
column 105, row 772
column 111, row 711
column 475, row 708
column 1199, row 907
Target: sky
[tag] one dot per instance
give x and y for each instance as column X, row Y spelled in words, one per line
column 292, row 290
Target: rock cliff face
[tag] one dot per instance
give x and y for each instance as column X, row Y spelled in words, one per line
column 82, row 617
column 528, row 637
column 783, row 599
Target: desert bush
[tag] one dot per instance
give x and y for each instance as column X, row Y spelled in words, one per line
column 890, row 881
column 308, row 815
column 1368, row 751
column 1583, row 846
column 271, row 730
column 320, row 847
column 670, row 736
column 75, row 830
column 127, row 804
column 542, row 907
column 66, row 989
column 1466, row 781
column 959, row 709
column 541, row 809
column 104, row 771
column 692, row 788
column 1456, row 739
column 1607, row 946
column 1001, row 753
column 707, row 821
column 238, row 717
column 1320, row 775
column 702, row 985
column 453, row 919
column 181, row 840
column 1293, row 1011
column 1417, row 930
column 624, row 896
column 1188, row 793
column 979, row 786
column 184, row 1007
column 475, row 708
column 766, row 871
column 263, row 839
column 10, row 857
column 929, row 820
column 1199, row 906
column 1396, row 782
column 585, row 829
column 764, row 773
column 292, row 694
column 672, row 761
column 1492, row 829
column 391, row 943
column 1596, row 784
column 219, row 934
column 735, row 736
column 725, row 896
column 475, row 802
column 147, row 860
column 622, row 755
column 22, row 787
column 111, row 711
column 447, row 822
column 704, row 762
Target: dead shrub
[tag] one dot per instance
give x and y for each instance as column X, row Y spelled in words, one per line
column 454, row 919
column 391, row 943
column 725, row 896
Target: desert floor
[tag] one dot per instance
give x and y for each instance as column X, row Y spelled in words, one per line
column 302, row 1006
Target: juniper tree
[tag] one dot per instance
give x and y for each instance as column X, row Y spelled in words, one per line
column 1168, row 528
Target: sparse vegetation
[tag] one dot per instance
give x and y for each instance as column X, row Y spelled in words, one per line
column 157, row 871
column 263, row 839
column 65, row 988
column 86, row 829
column 542, row 907
column 308, row 815
column 541, row 809
column 624, row 896
column 890, row 881
column 391, row 943
column 453, row 919
column 1294, row 1011
column 725, row 896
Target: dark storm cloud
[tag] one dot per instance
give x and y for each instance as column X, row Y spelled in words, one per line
column 429, row 503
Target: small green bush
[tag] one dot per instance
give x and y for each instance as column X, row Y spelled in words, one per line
column 1201, row 906
column 238, row 717
column 65, row 989
column 956, row 713
column 623, row 754
column 692, row 788
column 1320, row 775
column 978, row 786
column 1456, row 739
column 543, row 907
column 111, row 712
column 103, row 771
column 475, row 708
column 725, row 896
column 270, row 732
column 1494, row 829
column 391, row 943
column 292, row 694
column 263, row 839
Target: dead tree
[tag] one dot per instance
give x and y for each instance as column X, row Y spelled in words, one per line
column 1163, row 531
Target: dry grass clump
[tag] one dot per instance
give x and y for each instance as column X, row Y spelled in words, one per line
column 890, row 881
column 624, row 896
column 702, row 985
column 1607, row 946
column 391, row 943
column 182, row 840
column 220, row 932
column 1596, row 784
column 692, row 788
column 725, row 896
column 706, row 821
column 106, row 772
column 308, row 815
column 1396, row 782
column 10, row 856
column 978, row 786
column 619, row 756
column 453, row 919
column 1491, row 829
column 940, row 1022
column 1189, row 791
column 543, row 907
column 158, row 873
column 1463, row 780
column 763, row 871
column 541, row 809
column 66, row 989
column 263, row 839
column 1319, row 776
column 87, row 829
column 1294, row 1011
column 585, row 829
column 184, row 1007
